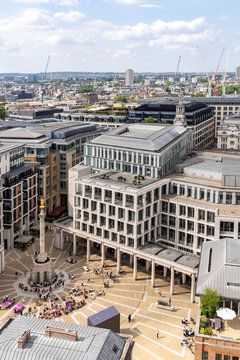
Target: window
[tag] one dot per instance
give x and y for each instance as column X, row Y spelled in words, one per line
column 112, row 210
column 173, row 208
column 201, row 228
column 210, row 230
column 190, row 225
column 226, row 226
column 121, row 213
column 182, row 210
column 102, row 208
column 210, row 260
column 172, row 221
column 210, row 216
column 218, row 357
column 182, row 223
column 164, row 206
column 115, row 349
column 227, row 357
column 235, row 358
column 204, row 355
column 190, row 212
column 201, row 215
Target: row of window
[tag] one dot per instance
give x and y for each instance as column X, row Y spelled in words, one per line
column 219, row 356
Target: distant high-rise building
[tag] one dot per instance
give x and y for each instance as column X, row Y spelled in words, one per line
column 129, row 77
column 237, row 74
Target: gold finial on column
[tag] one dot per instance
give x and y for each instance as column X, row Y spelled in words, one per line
column 42, row 205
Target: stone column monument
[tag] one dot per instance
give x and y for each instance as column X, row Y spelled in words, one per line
column 43, row 266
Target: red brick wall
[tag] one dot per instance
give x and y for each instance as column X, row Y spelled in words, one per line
column 215, row 346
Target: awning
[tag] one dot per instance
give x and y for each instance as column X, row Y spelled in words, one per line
column 24, row 239
column 58, row 211
column 35, row 227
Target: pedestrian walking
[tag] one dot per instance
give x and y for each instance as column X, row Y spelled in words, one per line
column 16, row 273
column 88, row 279
column 129, row 318
column 157, row 334
column 170, row 302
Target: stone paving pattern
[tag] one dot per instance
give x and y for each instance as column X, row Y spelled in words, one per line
column 129, row 297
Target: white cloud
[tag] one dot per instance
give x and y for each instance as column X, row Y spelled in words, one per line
column 121, row 52
column 72, row 16
column 169, row 35
column 135, row 2
column 151, row 6
column 58, row 2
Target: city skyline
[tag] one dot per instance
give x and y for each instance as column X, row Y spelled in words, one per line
column 104, row 35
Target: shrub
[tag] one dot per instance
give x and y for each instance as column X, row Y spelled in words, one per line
column 208, row 331
column 203, row 321
column 210, row 301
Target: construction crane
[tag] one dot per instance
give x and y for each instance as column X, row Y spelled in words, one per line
column 209, row 93
column 225, row 74
column 215, row 74
column 178, row 64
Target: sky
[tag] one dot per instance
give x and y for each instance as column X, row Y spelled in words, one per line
column 114, row 35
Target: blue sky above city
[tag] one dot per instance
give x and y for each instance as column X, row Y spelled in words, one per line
column 113, row 35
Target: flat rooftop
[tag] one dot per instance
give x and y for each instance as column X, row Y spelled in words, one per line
column 146, row 137
column 218, row 170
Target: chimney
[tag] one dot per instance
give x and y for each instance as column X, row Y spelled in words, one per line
column 22, row 339
column 61, row 333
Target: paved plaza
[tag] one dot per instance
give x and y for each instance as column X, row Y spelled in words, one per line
column 129, row 297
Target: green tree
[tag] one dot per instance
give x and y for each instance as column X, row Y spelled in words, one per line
column 210, row 302
column 121, row 98
column 202, row 80
column 85, row 89
column 2, row 112
column 197, row 95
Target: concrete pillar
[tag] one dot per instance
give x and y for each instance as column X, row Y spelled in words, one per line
column 103, row 253
column 148, row 265
column 88, row 249
column 134, row 267
column 184, row 279
column 224, row 197
column 172, row 281
column 193, row 283
column 165, row 271
column 131, row 261
column 153, row 274
column 234, row 198
column 74, row 244
column 118, row 261
column 61, row 240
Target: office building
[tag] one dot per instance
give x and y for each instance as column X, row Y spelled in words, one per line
column 141, row 149
column 221, row 106
column 228, row 135
column 19, row 180
column 197, row 117
column 129, row 77
column 56, row 147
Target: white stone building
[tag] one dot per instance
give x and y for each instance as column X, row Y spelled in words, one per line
column 228, row 135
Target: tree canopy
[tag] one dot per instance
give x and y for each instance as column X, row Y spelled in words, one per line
column 210, row 302
column 2, row 112
column 120, row 98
